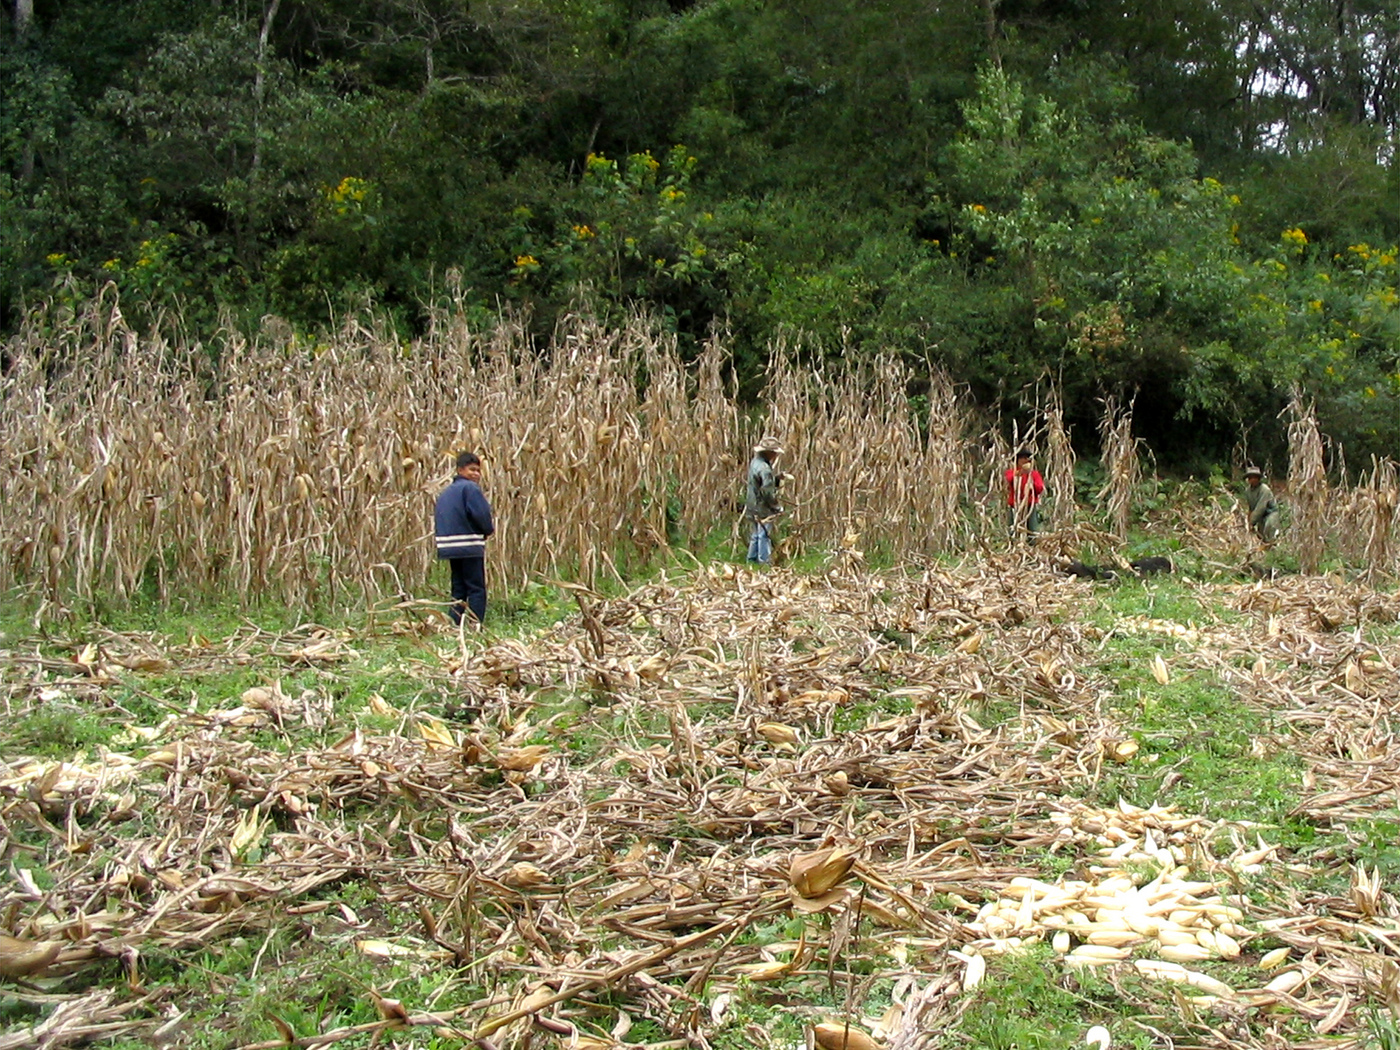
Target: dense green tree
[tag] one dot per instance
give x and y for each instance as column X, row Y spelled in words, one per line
column 1011, row 189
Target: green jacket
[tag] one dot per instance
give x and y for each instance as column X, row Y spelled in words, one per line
column 761, row 501
column 1261, row 503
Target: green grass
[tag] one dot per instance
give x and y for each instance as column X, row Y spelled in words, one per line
column 1028, row 1002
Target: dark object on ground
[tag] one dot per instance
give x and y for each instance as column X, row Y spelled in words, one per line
column 1151, row 566
column 902, row 639
column 1089, row 572
column 1266, row 572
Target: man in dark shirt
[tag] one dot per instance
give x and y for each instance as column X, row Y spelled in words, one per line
column 462, row 522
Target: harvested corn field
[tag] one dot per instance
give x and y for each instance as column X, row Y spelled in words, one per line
column 132, row 469
column 974, row 804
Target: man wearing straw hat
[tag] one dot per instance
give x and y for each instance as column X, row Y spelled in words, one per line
column 1263, row 507
column 462, row 522
column 761, row 504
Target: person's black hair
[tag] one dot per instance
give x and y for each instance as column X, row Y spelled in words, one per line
column 1025, row 453
column 467, row 459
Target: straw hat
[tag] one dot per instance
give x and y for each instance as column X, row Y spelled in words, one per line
column 1253, row 472
column 769, row 444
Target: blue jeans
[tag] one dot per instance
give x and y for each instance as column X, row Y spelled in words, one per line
column 760, row 544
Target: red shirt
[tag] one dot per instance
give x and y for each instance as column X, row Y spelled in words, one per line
column 1023, row 489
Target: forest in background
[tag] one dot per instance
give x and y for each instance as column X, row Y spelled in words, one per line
column 1195, row 202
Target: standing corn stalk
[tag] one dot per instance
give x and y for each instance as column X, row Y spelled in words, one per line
column 1307, row 483
column 1121, row 466
column 941, row 473
column 1376, row 500
column 1059, row 463
column 986, row 487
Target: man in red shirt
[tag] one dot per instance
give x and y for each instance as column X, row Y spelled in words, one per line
column 1024, row 487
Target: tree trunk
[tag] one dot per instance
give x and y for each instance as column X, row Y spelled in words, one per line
column 24, row 15
column 260, row 80
column 989, row 12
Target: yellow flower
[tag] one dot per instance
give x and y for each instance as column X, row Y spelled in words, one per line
column 526, row 262
column 56, row 259
column 1370, row 391
column 348, row 189
column 1316, row 306
column 584, row 232
column 1295, row 236
column 979, row 209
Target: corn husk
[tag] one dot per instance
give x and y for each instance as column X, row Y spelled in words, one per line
column 778, row 733
column 1160, row 671
column 20, row 957
column 973, row 972
column 1287, row 982
column 834, row 1036
column 813, row 875
column 522, row 759
column 524, row 875
column 1184, row 953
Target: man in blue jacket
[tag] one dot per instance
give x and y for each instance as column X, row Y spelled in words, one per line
column 462, row 521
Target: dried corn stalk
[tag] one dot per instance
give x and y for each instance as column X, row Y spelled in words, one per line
column 1059, row 463
column 1307, row 484
column 1121, row 467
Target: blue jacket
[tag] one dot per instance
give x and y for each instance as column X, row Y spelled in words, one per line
column 462, row 520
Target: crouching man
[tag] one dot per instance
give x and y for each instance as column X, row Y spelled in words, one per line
column 1263, row 507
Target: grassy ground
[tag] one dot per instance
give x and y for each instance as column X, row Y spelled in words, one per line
column 405, row 867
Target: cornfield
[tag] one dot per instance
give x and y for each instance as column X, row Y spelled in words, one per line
column 264, row 465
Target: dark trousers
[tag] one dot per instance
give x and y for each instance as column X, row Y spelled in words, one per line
column 468, row 588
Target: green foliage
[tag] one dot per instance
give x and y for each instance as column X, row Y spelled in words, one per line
column 1032, row 190
column 631, row 235
column 1114, row 257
